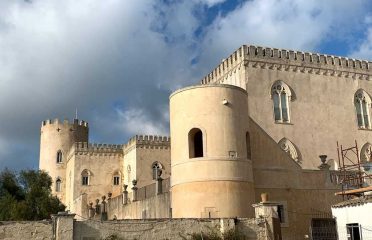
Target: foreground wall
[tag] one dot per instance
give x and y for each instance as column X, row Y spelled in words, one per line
column 167, row 228
column 26, row 230
column 64, row 227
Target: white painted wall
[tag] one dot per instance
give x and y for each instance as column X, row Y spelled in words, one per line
column 361, row 214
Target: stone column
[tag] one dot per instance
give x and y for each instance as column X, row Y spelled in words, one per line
column 159, row 182
column 268, row 211
column 125, row 195
column 103, row 209
column 63, row 226
column 134, row 189
column 91, row 211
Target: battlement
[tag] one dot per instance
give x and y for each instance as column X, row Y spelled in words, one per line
column 66, row 122
column 83, row 148
column 281, row 59
column 147, row 141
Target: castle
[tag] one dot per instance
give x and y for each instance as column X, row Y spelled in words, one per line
column 256, row 124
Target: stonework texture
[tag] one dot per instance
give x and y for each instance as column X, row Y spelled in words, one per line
column 37, row 230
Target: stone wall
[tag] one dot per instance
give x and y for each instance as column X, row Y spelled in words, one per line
column 153, row 207
column 167, row 228
column 26, row 230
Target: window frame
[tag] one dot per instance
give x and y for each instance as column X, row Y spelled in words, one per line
column 362, row 105
column 59, row 157
column 281, row 96
column 191, row 143
column 58, row 187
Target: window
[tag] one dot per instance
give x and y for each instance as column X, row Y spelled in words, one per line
column 353, row 231
column 248, row 145
column 58, row 185
column 156, row 167
column 281, row 95
column 362, row 103
column 59, row 156
column 116, row 180
column 195, row 143
column 85, row 177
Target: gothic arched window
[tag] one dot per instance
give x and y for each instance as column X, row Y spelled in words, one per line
column 58, row 184
column 362, row 103
column 85, row 177
column 59, row 156
column 196, row 143
column 281, row 95
column 156, row 167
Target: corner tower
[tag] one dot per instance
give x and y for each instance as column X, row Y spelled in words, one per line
column 56, row 139
column 210, row 155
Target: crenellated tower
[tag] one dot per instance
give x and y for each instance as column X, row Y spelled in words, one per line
column 56, row 139
column 211, row 163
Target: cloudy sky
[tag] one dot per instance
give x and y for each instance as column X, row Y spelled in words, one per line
column 117, row 61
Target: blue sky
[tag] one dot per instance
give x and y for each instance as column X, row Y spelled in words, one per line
column 118, row 61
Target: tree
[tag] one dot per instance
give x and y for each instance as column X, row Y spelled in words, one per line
column 27, row 196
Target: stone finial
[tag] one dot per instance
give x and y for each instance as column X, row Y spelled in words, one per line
column 125, row 187
column 109, row 195
column 323, row 165
column 323, row 158
column 134, row 182
column 264, row 197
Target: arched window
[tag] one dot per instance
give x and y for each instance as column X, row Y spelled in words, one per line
column 248, row 145
column 195, row 143
column 362, row 103
column 116, row 178
column 281, row 95
column 59, row 156
column 85, row 177
column 156, row 167
column 58, row 184
column 288, row 147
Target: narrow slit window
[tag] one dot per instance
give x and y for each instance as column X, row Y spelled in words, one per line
column 196, row 143
column 58, row 185
column 59, row 156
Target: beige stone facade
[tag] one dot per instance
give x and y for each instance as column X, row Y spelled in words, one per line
column 257, row 123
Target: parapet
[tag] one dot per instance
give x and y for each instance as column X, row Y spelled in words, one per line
column 66, row 122
column 289, row 60
column 147, row 141
column 84, row 148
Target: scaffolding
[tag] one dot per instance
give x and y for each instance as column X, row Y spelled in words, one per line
column 351, row 176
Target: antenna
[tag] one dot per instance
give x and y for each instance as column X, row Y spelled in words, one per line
column 76, row 114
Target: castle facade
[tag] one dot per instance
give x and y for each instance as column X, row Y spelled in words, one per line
column 256, row 124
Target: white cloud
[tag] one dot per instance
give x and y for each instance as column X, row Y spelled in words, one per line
column 94, row 55
column 299, row 25
column 136, row 122
column 364, row 50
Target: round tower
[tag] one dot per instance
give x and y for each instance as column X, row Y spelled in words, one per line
column 211, row 170
column 55, row 142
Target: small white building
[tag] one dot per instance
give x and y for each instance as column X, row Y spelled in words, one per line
column 354, row 218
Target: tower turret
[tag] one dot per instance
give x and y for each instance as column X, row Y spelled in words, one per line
column 210, row 156
column 56, row 139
